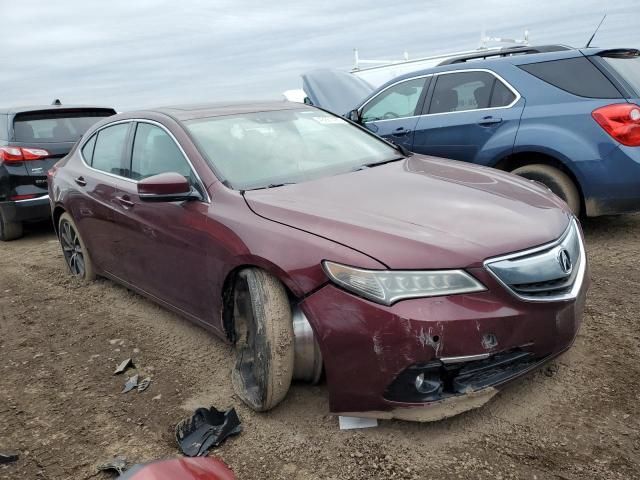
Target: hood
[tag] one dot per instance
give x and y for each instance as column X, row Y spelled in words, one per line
column 421, row 212
column 339, row 92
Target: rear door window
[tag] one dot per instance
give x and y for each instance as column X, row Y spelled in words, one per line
column 108, row 152
column 55, row 126
column 457, row 92
column 574, row 75
column 502, row 96
column 87, row 150
column 155, row 152
column 397, row 101
column 3, row 127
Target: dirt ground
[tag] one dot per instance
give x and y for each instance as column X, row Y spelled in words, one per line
column 61, row 407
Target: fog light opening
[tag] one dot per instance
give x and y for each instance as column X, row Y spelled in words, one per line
column 427, row 385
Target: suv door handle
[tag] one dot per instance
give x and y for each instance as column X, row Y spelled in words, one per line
column 81, row 181
column 125, row 201
column 400, row 132
column 489, row 120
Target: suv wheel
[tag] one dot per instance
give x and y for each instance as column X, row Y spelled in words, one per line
column 557, row 181
column 9, row 230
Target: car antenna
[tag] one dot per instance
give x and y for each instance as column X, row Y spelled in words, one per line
column 56, row 102
column 594, row 33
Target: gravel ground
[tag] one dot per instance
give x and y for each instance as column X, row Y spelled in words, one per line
column 61, row 407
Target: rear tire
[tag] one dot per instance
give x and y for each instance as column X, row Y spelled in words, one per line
column 556, row 180
column 74, row 250
column 264, row 340
column 9, row 230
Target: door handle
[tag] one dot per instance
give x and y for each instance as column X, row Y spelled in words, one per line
column 125, row 201
column 400, row 132
column 81, row 181
column 489, row 120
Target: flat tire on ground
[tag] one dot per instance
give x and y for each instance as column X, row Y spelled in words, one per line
column 264, row 339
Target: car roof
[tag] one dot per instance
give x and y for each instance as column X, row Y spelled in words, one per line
column 40, row 108
column 492, row 62
column 204, row 110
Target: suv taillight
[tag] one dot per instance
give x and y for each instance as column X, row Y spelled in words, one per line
column 621, row 121
column 21, row 154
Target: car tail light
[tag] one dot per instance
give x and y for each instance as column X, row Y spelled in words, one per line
column 621, row 121
column 21, row 154
column 22, row 197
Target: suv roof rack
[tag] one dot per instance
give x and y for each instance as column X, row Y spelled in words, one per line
column 505, row 52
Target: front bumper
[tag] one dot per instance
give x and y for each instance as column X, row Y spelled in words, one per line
column 31, row 210
column 367, row 348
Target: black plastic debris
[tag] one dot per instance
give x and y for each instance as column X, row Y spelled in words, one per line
column 8, row 457
column 130, row 384
column 124, row 366
column 144, row 384
column 207, row 428
column 118, row 465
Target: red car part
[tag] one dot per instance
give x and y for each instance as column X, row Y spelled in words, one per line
column 199, row 468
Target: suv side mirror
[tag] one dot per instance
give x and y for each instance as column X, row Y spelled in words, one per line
column 166, row 187
column 354, row 116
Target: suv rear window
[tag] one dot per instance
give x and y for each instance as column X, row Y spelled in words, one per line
column 628, row 68
column 574, row 75
column 55, row 126
column 3, row 127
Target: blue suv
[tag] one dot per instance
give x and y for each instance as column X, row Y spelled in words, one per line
column 565, row 117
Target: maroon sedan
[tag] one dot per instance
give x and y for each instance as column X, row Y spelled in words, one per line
column 419, row 285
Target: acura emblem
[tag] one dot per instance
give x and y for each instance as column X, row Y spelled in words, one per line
column 565, row 261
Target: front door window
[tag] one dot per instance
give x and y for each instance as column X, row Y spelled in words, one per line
column 398, row 101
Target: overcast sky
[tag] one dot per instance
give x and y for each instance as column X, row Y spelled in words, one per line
column 137, row 53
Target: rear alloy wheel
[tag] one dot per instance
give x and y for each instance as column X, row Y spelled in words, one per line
column 264, row 340
column 74, row 250
column 9, row 230
column 556, row 180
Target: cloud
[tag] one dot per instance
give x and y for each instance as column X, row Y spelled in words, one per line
column 145, row 53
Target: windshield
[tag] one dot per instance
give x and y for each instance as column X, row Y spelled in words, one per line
column 257, row 150
column 628, row 68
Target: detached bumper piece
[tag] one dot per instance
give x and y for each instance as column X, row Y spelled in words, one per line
column 435, row 381
column 205, row 429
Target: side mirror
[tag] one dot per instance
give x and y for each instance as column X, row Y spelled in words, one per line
column 354, row 116
column 166, row 187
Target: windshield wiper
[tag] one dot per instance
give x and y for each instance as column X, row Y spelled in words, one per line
column 403, row 150
column 375, row 164
column 271, row 185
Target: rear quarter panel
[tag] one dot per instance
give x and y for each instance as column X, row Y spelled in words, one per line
column 559, row 124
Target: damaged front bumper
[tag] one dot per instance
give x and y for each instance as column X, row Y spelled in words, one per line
column 431, row 358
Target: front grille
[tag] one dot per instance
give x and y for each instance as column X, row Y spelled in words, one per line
column 542, row 289
column 550, row 272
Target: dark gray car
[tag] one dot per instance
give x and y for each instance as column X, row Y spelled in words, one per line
column 32, row 139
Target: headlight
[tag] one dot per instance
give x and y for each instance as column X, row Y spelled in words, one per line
column 389, row 286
